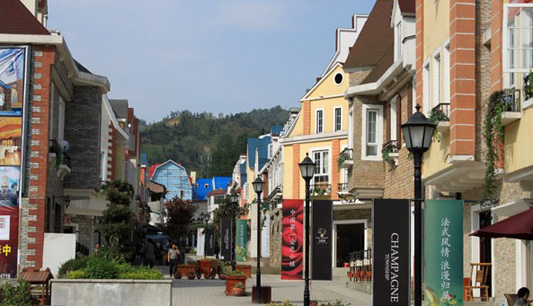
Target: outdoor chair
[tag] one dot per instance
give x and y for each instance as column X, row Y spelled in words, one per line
column 478, row 275
column 511, row 298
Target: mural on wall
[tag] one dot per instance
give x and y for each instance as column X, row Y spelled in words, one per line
column 12, row 93
column 292, row 242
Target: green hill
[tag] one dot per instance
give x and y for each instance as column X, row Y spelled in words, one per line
column 207, row 144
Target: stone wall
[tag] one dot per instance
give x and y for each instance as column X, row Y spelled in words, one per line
column 85, row 229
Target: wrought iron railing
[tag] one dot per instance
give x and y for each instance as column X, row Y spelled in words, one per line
column 320, row 189
column 511, row 100
column 345, row 155
column 361, row 266
column 441, row 112
column 342, row 187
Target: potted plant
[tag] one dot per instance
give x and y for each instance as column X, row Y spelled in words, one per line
column 238, row 289
column 246, row 269
column 232, row 278
column 191, row 275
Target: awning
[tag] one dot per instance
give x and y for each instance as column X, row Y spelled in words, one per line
column 519, row 226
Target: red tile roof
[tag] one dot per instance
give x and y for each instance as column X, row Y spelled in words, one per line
column 375, row 37
column 36, row 276
column 407, row 6
column 16, row 19
column 151, row 170
column 216, row 192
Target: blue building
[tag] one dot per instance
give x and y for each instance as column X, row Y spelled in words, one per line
column 204, row 186
column 174, row 177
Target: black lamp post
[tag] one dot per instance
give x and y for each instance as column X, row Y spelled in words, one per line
column 307, row 169
column 204, row 217
column 234, row 198
column 259, row 185
column 417, row 134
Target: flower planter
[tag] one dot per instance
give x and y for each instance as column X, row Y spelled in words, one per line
column 191, row 275
column 183, row 270
column 235, row 291
column 205, row 266
column 265, row 297
column 222, row 276
column 246, row 269
column 231, row 281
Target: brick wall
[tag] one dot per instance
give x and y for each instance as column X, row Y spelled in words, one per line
column 82, row 130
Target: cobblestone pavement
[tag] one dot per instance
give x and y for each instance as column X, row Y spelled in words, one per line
column 211, row 292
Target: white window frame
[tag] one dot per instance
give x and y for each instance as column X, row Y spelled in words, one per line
column 317, row 131
column 269, row 151
column 323, row 150
column 51, row 123
column 426, row 90
column 379, row 131
column 398, row 40
column 437, row 80
column 394, row 118
column 61, row 119
column 505, row 38
column 335, row 118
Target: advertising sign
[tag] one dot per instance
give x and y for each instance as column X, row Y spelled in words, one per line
column 391, row 260
column 265, row 237
column 200, row 246
column 292, row 242
column 241, row 249
column 321, row 239
column 12, row 101
column 443, row 252
column 226, row 238
column 210, row 236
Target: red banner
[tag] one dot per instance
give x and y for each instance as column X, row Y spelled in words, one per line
column 292, row 240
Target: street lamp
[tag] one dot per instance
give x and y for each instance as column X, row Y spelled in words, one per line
column 307, row 169
column 204, row 218
column 259, row 185
column 234, row 199
column 417, row 134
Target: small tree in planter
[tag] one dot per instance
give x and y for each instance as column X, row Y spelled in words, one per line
column 232, row 278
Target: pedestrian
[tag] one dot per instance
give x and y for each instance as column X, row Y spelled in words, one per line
column 216, row 250
column 523, row 295
column 149, row 252
column 173, row 257
column 96, row 248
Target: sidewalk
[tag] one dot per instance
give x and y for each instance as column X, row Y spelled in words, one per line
column 211, row 292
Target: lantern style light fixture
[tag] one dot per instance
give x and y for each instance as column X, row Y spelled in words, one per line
column 307, row 168
column 234, row 197
column 259, row 186
column 418, row 132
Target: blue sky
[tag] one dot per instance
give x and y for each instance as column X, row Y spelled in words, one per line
column 218, row 56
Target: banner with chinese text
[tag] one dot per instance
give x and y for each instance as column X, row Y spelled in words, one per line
column 321, row 239
column 12, row 100
column 391, row 275
column 443, row 252
column 292, row 242
column 241, row 247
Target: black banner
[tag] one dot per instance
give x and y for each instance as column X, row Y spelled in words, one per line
column 391, row 275
column 226, row 238
column 321, row 236
column 210, row 236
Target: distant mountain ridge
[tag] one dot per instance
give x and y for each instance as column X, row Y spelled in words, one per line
column 207, row 144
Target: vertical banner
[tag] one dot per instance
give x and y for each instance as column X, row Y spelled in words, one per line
column 241, row 250
column 12, row 100
column 443, row 252
column 210, row 236
column 265, row 237
column 200, row 246
column 321, row 239
column 391, row 260
column 292, row 242
column 226, row 238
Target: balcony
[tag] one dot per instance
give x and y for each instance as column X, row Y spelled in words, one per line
column 63, row 162
column 320, row 190
column 510, row 101
column 390, row 152
column 346, row 158
column 440, row 115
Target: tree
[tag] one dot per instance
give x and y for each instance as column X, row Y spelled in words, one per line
column 179, row 217
column 225, row 211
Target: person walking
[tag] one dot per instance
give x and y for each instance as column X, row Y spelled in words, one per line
column 148, row 251
column 173, row 257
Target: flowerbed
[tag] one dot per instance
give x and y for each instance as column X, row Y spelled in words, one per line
column 94, row 267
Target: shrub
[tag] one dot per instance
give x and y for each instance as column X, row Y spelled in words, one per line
column 75, row 275
column 101, row 268
column 17, row 295
column 240, row 285
column 235, row 273
column 71, row 265
column 141, row 273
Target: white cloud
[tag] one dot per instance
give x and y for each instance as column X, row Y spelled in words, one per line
column 251, row 14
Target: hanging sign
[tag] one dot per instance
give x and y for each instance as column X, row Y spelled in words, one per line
column 321, row 237
column 226, row 237
column 241, row 250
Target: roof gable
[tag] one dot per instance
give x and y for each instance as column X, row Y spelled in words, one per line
column 407, row 7
column 326, row 86
column 16, row 19
column 262, row 146
column 375, row 38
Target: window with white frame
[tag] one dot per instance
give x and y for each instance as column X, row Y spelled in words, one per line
column 61, row 119
column 394, row 119
column 319, row 121
column 338, row 119
column 322, row 166
column 437, row 73
column 269, row 151
column 398, row 40
column 372, row 134
column 446, row 74
column 426, row 88
column 518, row 38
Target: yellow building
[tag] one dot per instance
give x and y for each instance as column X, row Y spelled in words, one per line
column 320, row 130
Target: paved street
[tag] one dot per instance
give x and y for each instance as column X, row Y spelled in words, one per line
column 211, row 292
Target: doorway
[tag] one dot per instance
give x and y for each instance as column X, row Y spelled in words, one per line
column 485, row 245
column 349, row 238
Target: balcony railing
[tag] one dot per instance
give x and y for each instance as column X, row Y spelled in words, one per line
column 441, row 112
column 343, row 188
column 346, row 158
column 511, row 100
column 390, row 150
column 320, row 189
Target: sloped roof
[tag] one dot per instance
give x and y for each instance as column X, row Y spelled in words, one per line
column 375, row 37
column 156, row 187
column 16, row 19
column 384, row 63
column 276, row 130
column 151, row 170
column 81, row 67
column 120, row 107
column 262, row 145
column 221, row 182
column 407, row 6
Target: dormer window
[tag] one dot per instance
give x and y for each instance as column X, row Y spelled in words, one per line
column 398, row 40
